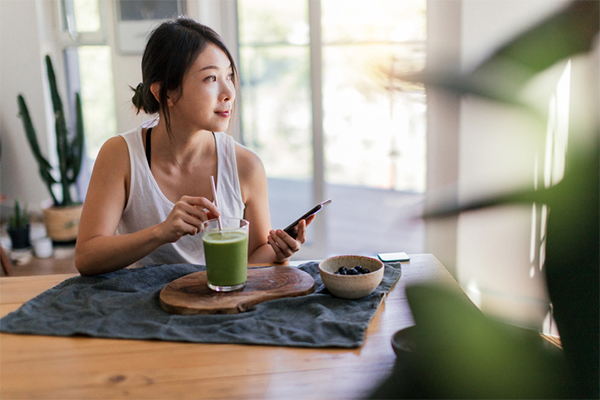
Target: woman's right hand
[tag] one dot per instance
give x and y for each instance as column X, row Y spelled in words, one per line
column 186, row 217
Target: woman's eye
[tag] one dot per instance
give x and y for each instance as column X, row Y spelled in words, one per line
column 211, row 78
column 231, row 76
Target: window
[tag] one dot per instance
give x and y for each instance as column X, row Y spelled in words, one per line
column 275, row 74
column 321, row 109
column 89, row 69
column 90, row 74
column 374, row 130
column 87, row 58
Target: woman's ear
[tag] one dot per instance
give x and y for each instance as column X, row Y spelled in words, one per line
column 155, row 89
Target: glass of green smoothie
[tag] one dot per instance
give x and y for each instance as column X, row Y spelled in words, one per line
column 226, row 253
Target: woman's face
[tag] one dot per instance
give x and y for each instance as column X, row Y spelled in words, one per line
column 207, row 93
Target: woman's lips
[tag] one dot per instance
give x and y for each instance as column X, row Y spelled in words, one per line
column 224, row 114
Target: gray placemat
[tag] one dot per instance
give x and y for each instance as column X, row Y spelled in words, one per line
column 125, row 305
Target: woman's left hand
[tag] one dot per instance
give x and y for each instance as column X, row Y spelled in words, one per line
column 284, row 245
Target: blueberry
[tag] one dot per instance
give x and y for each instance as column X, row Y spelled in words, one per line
column 359, row 269
column 342, row 269
column 365, row 271
column 352, row 271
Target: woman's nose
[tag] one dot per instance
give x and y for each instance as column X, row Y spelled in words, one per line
column 227, row 91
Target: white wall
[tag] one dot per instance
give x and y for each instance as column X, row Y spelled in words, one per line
column 443, row 127
column 501, row 149
column 478, row 149
column 26, row 35
column 126, row 71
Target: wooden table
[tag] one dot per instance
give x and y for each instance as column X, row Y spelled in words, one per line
column 45, row 367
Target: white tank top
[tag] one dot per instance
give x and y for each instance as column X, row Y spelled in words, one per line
column 147, row 205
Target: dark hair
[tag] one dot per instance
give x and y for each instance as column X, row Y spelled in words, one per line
column 170, row 52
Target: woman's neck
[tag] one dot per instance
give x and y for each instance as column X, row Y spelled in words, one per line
column 180, row 146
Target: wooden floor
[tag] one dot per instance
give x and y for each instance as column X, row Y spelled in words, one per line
column 61, row 262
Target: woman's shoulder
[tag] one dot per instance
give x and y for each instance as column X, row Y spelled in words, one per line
column 113, row 146
column 118, row 146
column 247, row 160
column 114, row 153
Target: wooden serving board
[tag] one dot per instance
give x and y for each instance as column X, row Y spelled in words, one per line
column 191, row 295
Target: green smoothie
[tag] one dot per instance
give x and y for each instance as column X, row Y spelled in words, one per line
column 226, row 254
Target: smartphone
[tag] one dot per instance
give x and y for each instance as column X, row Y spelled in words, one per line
column 389, row 257
column 292, row 228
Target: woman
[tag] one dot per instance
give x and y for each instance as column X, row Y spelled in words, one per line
column 150, row 189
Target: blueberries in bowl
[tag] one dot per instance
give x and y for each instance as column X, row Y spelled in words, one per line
column 356, row 286
column 361, row 270
column 358, row 270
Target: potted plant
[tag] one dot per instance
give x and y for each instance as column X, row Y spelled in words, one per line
column 61, row 218
column 18, row 227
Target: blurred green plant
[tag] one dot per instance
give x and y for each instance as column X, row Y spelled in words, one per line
column 69, row 147
column 19, row 218
column 463, row 354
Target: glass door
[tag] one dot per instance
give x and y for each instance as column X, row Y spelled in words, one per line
column 321, row 107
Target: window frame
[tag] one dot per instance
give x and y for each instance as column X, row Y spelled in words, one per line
column 67, row 34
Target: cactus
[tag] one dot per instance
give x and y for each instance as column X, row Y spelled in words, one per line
column 20, row 217
column 69, row 150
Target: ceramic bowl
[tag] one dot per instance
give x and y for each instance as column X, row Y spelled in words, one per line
column 351, row 286
column 403, row 341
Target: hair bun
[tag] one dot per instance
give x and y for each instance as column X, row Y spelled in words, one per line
column 138, row 96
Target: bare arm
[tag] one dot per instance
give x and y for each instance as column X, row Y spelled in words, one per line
column 98, row 249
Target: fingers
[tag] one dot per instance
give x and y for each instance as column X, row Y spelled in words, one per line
column 301, row 236
column 187, row 216
column 200, row 207
column 283, row 244
column 310, row 219
column 279, row 254
column 180, row 222
column 202, row 204
column 185, row 225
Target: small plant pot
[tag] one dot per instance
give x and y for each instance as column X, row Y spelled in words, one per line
column 19, row 237
column 62, row 223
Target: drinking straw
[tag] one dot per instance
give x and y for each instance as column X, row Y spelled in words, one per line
column 214, row 190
